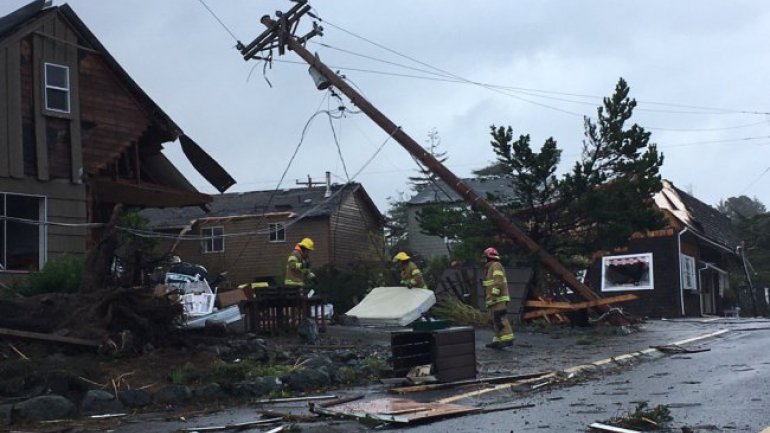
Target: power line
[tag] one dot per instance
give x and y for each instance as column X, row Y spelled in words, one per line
column 227, row 29
column 444, row 73
column 756, row 180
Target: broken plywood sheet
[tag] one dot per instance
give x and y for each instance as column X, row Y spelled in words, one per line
column 397, row 410
column 393, row 306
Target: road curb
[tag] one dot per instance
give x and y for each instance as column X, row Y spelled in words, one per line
column 570, row 372
column 648, row 353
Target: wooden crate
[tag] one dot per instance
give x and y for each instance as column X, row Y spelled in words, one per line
column 452, row 351
column 276, row 310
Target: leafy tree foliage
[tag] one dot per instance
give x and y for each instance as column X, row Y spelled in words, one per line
column 598, row 204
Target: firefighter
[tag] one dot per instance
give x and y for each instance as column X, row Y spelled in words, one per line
column 411, row 277
column 298, row 271
column 497, row 298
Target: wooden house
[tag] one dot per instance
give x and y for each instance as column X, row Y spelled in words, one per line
column 681, row 270
column 77, row 136
column 250, row 234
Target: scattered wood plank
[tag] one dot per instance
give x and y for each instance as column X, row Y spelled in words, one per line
column 488, row 380
column 504, row 408
column 610, row 428
column 18, row 352
column 340, row 400
column 48, row 337
column 395, row 410
column 502, row 386
column 234, row 426
column 561, row 306
column 295, row 399
column 286, row 416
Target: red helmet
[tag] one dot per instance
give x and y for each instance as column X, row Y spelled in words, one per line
column 491, row 253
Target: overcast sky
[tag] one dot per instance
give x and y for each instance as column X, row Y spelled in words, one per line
column 557, row 58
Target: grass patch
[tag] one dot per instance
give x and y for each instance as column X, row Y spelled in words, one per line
column 227, row 372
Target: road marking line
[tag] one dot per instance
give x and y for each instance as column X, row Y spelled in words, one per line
column 766, row 430
column 578, row 368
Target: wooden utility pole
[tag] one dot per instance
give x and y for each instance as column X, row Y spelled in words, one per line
column 279, row 34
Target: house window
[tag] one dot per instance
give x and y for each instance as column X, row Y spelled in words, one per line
column 277, row 232
column 627, row 272
column 213, row 240
column 687, row 272
column 57, row 88
column 22, row 232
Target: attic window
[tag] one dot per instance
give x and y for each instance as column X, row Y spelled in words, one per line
column 57, row 88
column 627, row 272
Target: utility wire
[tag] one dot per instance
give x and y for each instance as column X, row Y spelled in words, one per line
column 227, row 29
column 756, row 180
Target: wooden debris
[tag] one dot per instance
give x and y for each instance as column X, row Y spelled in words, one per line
column 235, row 426
column 502, row 386
column 48, row 337
column 18, row 352
column 395, row 410
column 609, row 428
column 504, row 408
column 340, row 400
column 295, row 399
column 550, row 308
column 488, row 380
column 288, row 416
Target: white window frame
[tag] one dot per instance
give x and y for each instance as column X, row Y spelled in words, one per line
column 212, row 237
column 67, row 89
column 275, row 229
column 42, row 231
column 687, row 272
column 646, row 256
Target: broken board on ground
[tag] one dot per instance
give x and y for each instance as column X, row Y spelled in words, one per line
column 393, row 306
column 396, row 410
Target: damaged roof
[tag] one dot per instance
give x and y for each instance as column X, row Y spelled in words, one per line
column 306, row 202
column 697, row 215
column 440, row 192
column 13, row 26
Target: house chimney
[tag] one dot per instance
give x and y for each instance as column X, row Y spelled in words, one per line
column 328, row 192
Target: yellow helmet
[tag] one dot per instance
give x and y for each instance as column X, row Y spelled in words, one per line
column 400, row 257
column 307, row 244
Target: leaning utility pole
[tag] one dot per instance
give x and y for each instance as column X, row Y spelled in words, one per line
column 280, row 35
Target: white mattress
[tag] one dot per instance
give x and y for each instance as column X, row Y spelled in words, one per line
column 393, row 306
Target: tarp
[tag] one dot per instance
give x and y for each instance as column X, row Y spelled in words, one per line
column 393, row 306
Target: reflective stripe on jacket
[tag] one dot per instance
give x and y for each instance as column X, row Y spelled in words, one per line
column 495, row 283
column 297, row 272
column 411, row 276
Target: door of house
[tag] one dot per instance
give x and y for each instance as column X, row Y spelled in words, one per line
column 709, row 285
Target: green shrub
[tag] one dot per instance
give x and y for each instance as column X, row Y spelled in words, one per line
column 345, row 287
column 60, row 275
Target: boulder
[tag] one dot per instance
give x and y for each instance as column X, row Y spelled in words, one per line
column 44, row 408
column 98, row 402
column 135, row 398
column 173, row 394
column 212, row 391
column 307, row 379
column 308, row 331
column 258, row 387
column 6, row 414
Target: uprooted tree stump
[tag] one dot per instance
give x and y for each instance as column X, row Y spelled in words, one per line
column 128, row 319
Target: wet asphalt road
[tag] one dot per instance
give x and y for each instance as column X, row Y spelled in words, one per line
column 726, row 389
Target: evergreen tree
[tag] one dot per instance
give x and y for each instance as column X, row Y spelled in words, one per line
column 741, row 207
column 426, row 177
column 598, row 205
